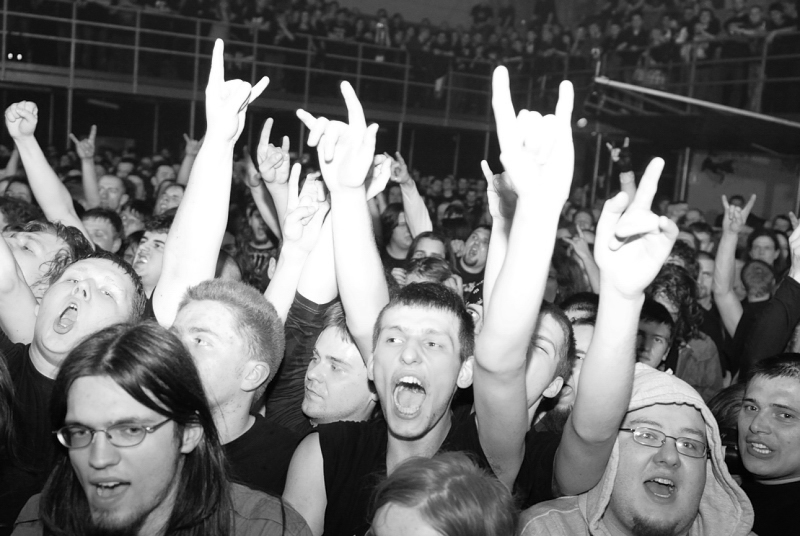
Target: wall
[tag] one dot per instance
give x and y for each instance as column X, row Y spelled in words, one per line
column 774, row 180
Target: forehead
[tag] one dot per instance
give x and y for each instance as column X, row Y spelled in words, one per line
column 331, row 343
column 669, row 418
column 173, row 190
column 206, row 315
column 110, row 180
column 102, row 270
column 763, row 241
column 97, row 222
column 155, row 235
column 551, row 329
column 418, row 319
column 783, row 390
column 45, row 238
column 706, row 265
column 480, row 234
column 100, row 401
column 430, row 243
column 655, row 328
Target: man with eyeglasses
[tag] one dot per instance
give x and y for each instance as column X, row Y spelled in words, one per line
column 666, row 475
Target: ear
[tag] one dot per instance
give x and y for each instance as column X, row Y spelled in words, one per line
column 123, row 199
column 256, row 376
column 271, row 267
column 192, row 435
column 371, row 368
column 465, row 374
column 554, row 388
column 116, row 245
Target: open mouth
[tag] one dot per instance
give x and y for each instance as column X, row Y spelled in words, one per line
column 660, row 487
column 409, row 394
column 107, row 490
column 66, row 320
column 759, row 448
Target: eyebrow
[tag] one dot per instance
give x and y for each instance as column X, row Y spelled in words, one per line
column 115, row 422
column 684, row 430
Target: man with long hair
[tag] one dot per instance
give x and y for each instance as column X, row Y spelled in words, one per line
column 141, row 453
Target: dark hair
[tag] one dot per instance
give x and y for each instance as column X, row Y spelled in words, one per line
column 433, row 296
column 139, row 297
column 757, row 277
column 335, row 319
column 17, row 212
column 654, row 312
column 680, row 288
column 700, row 227
column 75, row 245
column 688, row 257
column 453, row 495
column 430, row 235
column 566, row 354
column 785, row 365
column 142, row 208
column 389, row 221
column 256, row 320
column 430, row 268
column 150, row 364
column 585, row 303
column 569, row 273
column 726, row 405
column 109, row 216
column 161, row 223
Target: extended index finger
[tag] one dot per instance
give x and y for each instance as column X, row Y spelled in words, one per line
column 75, row 140
column 400, row 159
column 93, row 133
column 649, row 185
column 749, row 206
column 504, row 115
column 265, row 133
column 217, row 72
column 566, row 101
column 355, row 112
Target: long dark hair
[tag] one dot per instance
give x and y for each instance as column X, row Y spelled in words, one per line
column 154, row 368
column 6, row 412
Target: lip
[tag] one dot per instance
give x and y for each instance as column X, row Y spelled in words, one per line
column 310, row 392
column 106, row 497
column 666, row 480
column 758, row 448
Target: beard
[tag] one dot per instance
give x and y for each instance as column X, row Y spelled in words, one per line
column 648, row 527
column 102, row 527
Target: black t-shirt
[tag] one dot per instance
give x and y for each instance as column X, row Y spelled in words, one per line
column 469, row 279
column 260, row 457
column 354, row 458
column 285, row 394
column 22, row 478
column 534, row 482
column 775, row 507
column 389, row 262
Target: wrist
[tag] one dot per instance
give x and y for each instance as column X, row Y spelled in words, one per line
column 88, row 159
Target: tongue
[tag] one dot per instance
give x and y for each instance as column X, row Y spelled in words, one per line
column 65, row 321
column 656, row 488
column 410, row 397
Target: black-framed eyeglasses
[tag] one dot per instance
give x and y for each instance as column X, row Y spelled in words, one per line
column 653, row 438
column 76, row 436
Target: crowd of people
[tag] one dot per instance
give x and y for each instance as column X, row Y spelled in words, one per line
column 233, row 342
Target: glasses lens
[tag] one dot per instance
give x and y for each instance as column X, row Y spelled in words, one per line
column 75, row 437
column 690, row 447
column 126, row 435
column 646, row 436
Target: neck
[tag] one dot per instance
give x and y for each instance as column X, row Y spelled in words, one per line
column 778, row 481
column 532, row 412
column 396, row 251
column 232, row 421
column 705, row 303
column 46, row 365
column 469, row 269
column 399, row 450
column 759, row 298
column 157, row 521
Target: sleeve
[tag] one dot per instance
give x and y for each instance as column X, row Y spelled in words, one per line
column 285, row 396
column 771, row 330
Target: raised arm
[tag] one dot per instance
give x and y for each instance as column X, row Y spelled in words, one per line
column 261, row 197
column 538, row 156
column 304, row 216
column 194, row 240
column 85, row 150
column 273, row 165
column 345, row 156
column 622, row 157
column 17, row 302
column 189, row 156
column 734, row 219
column 502, row 201
column 417, row 217
column 632, row 245
column 50, row 193
column 580, row 248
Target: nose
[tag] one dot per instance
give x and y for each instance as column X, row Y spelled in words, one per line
column 81, row 290
column 759, row 424
column 313, row 372
column 410, row 354
column 668, row 453
column 102, row 453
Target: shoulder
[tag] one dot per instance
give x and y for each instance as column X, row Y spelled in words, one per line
column 28, row 523
column 256, row 513
column 560, row 516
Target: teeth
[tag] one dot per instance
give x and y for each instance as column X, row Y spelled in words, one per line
column 664, row 481
column 760, row 448
column 410, row 380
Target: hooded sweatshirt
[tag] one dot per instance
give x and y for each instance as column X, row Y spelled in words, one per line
column 724, row 507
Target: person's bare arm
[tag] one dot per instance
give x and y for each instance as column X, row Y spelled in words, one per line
column 261, row 196
column 632, row 245
column 194, row 240
column 13, row 164
column 346, row 154
column 580, row 248
column 273, row 165
column 17, row 302
column 417, row 217
column 85, row 150
column 304, row 216
column 305, row 484
column 189, row 156
column 733, row 221
column 50, row 193
column 538, row 156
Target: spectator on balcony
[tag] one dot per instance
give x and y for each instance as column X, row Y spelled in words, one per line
column 482, row 16
column 633, row 42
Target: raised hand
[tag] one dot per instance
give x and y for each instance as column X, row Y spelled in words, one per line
column 252, row 177
column 400, row 173
column 502, row 200
column 632, row 242
column 735, row 218
column 579, row 244
column 193, row 146
column 537, row 152
column 85, row 148
column 273, row 162
column 305, row 212
column 21, row 119
column 345, row 150
column 382, row 168
column 226, row 102
column 794, row 247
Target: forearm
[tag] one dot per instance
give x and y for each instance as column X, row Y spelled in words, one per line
column 280, row 197
column 17, row 303
column 194, row 240
column 359, row 271
column 283, row 286
column 417, row 217
column 318, row 280
column 498, row 246
column 724, row 274
column 91, row 191
column 592, row 272
column 266, row 208
column 13, row 163
column 185, row 170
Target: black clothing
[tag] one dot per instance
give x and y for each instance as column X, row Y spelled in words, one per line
column 22, row 478
column 534, row 482
column 389, row 262
column 750, row 313
column 775, row 507
column 767, row 333
column 354, row 457
column 260, row 457
column 469, row 279
column 285, row 394
column 713, row 326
